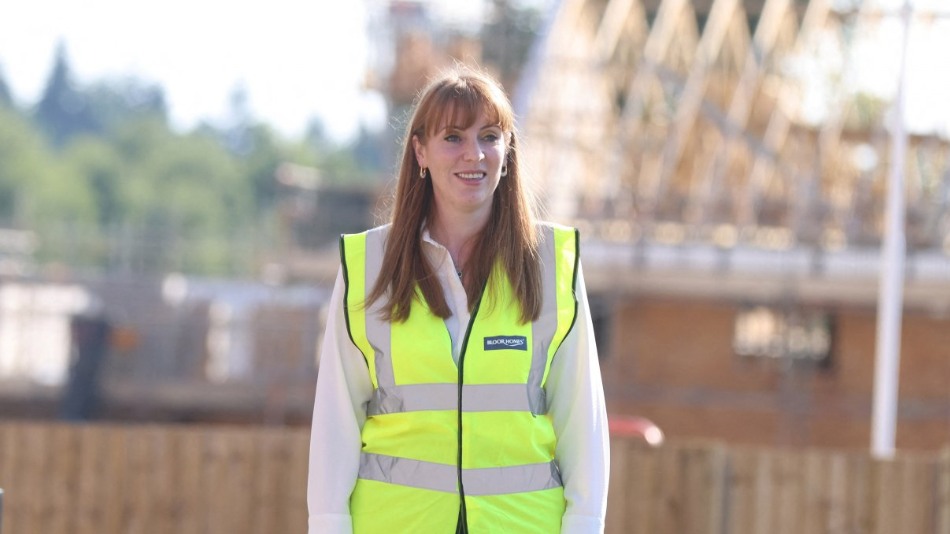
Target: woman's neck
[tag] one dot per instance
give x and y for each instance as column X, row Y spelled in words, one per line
column 456, row 233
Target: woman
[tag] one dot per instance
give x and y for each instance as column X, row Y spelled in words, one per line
column 463, row 287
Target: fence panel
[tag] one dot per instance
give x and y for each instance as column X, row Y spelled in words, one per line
column 110, row 479
column 786, row 481
column 621, row 471
column 942, row 496
column 105, row 479
column 859, row 493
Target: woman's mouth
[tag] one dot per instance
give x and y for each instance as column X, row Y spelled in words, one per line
column 470, row 175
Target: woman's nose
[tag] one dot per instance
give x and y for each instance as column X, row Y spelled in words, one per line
column 473, row 151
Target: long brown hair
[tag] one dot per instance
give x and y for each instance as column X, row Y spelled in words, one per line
column 509, row 237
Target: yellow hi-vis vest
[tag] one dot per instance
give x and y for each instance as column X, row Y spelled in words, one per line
column 443, row 441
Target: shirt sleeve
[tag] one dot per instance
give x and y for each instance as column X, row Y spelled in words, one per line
column 576, row 405
column 339, row 411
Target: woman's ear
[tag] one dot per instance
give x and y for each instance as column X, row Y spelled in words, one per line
column 420, row 151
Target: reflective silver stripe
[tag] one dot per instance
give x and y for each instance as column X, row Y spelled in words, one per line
column 378, row 332
column 512, row 479
column 413, row 398
column 543, row 330
column 441, row 477
column 406, row 472
column 475, row 398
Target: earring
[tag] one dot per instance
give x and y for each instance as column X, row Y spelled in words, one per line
column 422, row 173
column 504, row 170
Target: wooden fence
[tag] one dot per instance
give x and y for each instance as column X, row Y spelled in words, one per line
column 100, row 479
column 105, row 479
column 717, row 490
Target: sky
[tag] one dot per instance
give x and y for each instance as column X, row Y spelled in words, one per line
column 296, row 59
column 874, row 66
column 876, row 63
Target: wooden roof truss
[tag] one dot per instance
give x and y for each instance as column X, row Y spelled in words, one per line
column 642, row 122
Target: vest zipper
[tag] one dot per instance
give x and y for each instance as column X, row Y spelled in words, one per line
column 468, row 332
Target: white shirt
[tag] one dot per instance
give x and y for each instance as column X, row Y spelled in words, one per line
column 574, row 393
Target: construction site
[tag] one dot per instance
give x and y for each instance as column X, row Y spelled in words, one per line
column 734, row 226
column 730, row 166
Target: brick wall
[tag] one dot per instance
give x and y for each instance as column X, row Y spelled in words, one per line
column 672, row 360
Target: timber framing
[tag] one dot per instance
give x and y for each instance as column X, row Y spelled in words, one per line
column 648, row 115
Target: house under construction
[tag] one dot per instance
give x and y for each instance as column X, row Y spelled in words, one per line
column 728, row 173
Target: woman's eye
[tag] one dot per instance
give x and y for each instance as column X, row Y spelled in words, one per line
column 452, row 138
column 491, row 137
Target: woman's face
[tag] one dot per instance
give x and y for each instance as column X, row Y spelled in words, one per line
column 464, row 165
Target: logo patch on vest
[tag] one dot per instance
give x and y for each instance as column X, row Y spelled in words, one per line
column 506, row 343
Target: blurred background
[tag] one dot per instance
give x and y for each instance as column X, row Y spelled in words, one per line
column 171, row 189
column 173, row 179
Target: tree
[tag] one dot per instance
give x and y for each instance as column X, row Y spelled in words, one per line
column 236, row 134
column 186, row 195
column 6, row 97
column 114, row 102
column 99, row 174
column 261, row 165
column 358, row 163
column 99, row 165
column 62, row 111
column 508, row 36
column 23, row 158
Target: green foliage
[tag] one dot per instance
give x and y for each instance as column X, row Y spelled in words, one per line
column 173, row 189
column 115, row 102
column 63, row 111
column 6, row 97
column 359, row 164
column 100, row 176
column 101, row 166
column 24, row 163
column 264, row 156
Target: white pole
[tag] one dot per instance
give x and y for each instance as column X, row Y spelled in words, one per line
column 891, row 291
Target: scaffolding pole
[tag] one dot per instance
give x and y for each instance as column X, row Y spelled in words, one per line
column 891, row 291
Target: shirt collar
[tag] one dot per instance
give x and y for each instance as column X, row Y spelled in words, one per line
column 427, row 237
